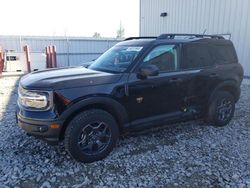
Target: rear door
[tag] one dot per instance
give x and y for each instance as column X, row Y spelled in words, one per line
column 197, row 57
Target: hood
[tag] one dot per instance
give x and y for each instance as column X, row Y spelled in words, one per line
column 62, row 78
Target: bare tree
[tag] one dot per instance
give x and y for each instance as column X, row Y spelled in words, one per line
column 97, row 35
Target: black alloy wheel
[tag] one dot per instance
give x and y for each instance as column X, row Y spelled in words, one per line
column 94, row 138
column 224, row 109
column 221, row 108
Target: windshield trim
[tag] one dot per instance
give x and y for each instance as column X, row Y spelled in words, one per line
column 107, row 71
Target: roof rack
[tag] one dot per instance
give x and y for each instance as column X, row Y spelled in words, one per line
column 131, row 38
column 172, row 36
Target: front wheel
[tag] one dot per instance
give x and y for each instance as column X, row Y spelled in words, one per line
column 221, row 109
column 91, row 135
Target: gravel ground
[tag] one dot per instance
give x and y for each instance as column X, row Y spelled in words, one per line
column 191, row 154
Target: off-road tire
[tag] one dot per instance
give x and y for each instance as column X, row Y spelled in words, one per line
column 78, row 123
column 213, row 108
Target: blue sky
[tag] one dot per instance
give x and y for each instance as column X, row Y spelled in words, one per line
column 70, row 17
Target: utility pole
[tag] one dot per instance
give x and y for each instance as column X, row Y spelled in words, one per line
column 67, row 41
column 120, row 31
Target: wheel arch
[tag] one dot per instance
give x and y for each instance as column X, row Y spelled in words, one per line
column 230, row 86
column 107, row 104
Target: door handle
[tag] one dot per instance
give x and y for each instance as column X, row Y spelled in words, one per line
column 213, row 75
column 175, row 80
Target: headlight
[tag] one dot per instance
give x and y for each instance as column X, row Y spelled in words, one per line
column 34, row 100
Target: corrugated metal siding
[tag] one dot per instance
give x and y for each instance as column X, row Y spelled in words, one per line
column 70, row 51
column 195, row 16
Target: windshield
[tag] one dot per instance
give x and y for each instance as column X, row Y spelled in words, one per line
column 116, row 59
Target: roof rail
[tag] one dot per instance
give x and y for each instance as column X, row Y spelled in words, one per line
column 131, row 38
column 172, row 36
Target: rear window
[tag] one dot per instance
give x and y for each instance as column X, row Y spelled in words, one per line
column 197, row 56
column 224, row 54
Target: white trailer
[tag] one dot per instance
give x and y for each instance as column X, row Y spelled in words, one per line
column 16, row 62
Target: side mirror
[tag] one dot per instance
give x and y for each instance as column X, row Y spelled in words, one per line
column 147, row 70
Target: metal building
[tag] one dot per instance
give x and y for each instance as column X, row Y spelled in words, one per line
column 196, row 16
column 70, row 50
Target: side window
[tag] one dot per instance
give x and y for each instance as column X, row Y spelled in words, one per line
column 196, row 56
column 224, row 54
column 164, row 57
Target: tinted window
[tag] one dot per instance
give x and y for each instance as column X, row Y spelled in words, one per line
column 224, row 54
column 164, row 57
column 197, row 56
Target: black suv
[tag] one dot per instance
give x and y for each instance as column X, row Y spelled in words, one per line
column 140, row 82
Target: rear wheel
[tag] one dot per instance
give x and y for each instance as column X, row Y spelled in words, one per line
column 91, row 135
column 221, row 108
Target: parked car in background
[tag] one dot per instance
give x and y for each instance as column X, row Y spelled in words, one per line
column 139, row 83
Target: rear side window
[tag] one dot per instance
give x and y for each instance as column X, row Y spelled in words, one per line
column 224, row 54
column 196, row 56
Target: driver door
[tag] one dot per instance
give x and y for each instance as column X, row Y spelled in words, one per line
column 157, row 95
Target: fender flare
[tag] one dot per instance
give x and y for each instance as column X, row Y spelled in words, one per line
column 235, row 91
column 115, row 107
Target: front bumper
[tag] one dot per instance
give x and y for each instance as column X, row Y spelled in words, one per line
column 41, row 128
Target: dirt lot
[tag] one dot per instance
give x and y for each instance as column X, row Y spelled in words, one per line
column 191, row 154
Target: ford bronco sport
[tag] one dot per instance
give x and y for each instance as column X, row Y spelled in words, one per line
column 140, row 82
